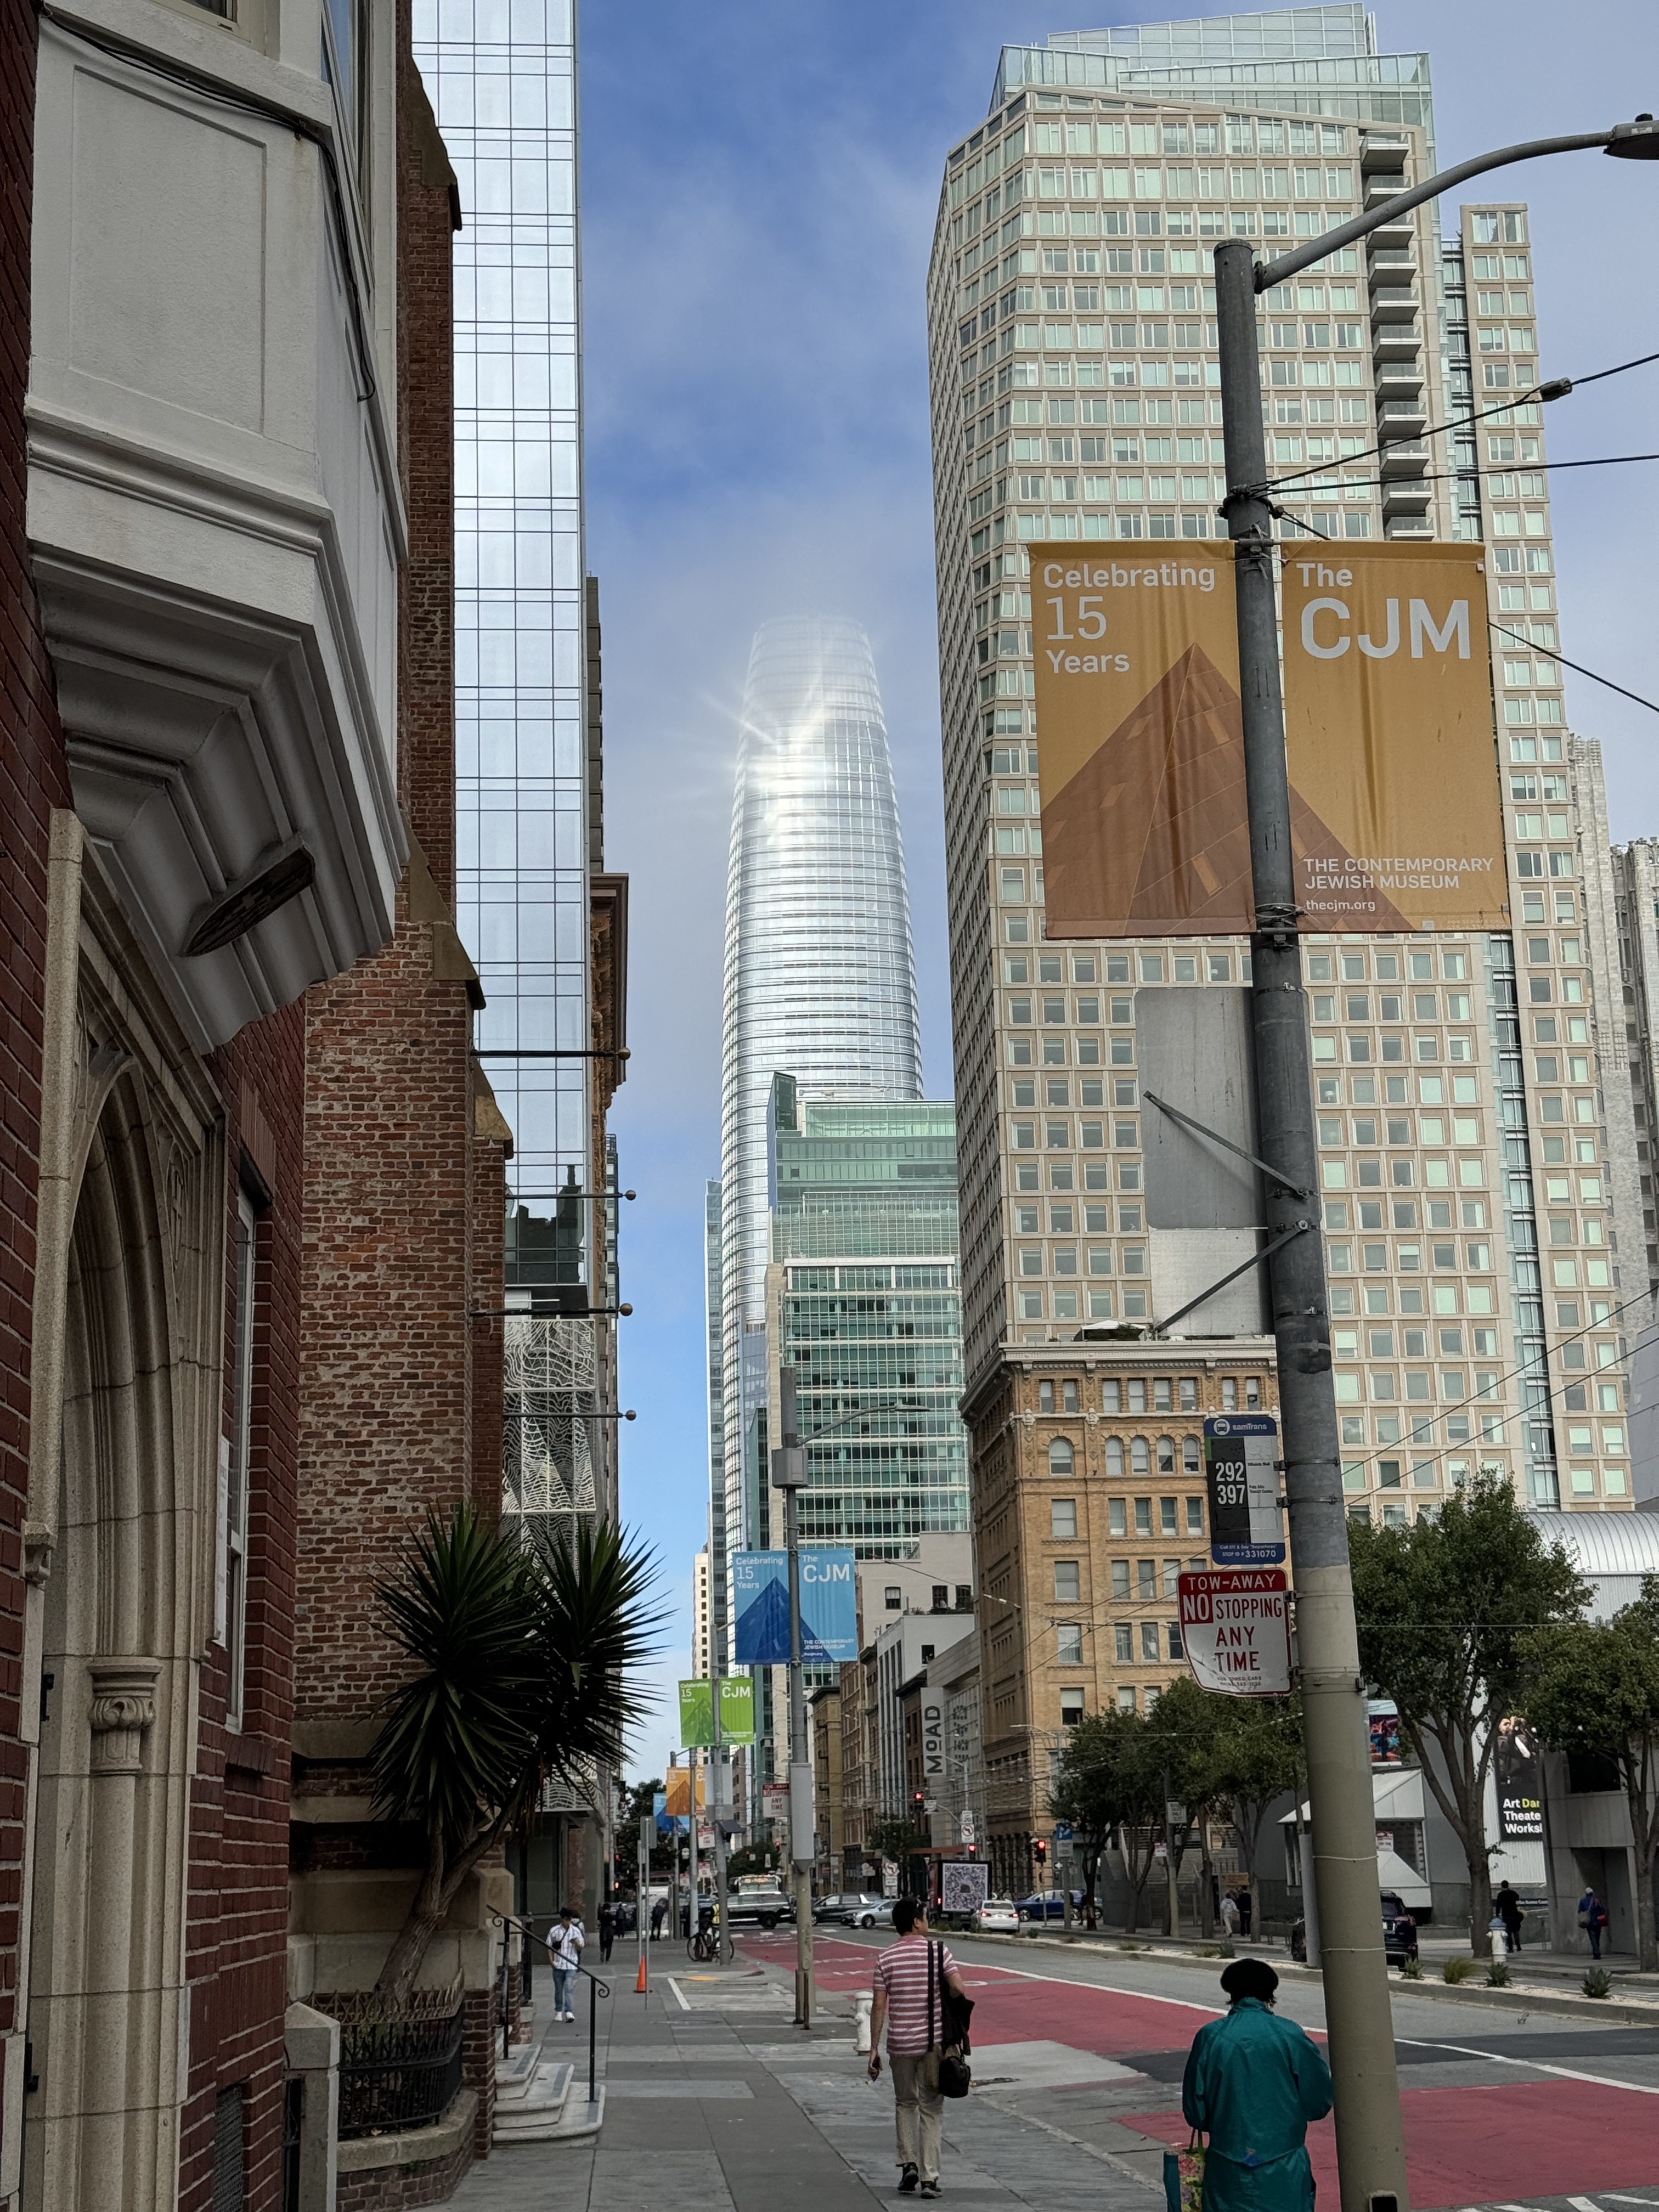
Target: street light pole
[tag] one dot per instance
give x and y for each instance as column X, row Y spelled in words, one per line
column 1370, row 2142
column 789, row 1475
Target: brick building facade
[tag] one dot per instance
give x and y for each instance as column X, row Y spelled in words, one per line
column 250, row 1178
column 1090, row 1499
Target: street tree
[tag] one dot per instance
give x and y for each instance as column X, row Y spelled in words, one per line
column 1446, row 1610
column 639, row 1801
column 524, row 1667
column 1593, row 1687
column 1258, row 1756
column 1184, row 1733
column 1104, row 1783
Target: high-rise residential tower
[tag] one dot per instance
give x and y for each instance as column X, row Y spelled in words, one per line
column 820, row 972
column 1472, row 1159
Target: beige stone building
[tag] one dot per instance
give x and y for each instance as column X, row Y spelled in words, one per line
column 1089, row 1501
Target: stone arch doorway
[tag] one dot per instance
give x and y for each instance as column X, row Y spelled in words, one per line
column 122, row 1567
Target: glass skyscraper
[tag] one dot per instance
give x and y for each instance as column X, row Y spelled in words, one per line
column 864, row 1303
column 820, row 972
column 502, row 74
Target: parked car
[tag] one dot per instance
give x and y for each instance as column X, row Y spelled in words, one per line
column 1399, row 1931
column 863, row 1910
column 766, row 1906
column 1048, row 1905
column 998, row 1916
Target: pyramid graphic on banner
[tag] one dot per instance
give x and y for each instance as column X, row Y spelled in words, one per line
column 762, row 1631
column 1151, row 834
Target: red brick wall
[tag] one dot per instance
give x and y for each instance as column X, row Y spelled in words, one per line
column 33, row 778
column 237, row 1925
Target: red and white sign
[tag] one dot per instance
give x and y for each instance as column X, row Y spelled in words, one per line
column 774, row 1800
column 1236, row 1630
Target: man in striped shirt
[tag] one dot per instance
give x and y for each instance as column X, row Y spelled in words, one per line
column 900, row 2004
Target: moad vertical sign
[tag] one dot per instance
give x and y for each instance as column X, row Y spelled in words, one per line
column 1397, row 813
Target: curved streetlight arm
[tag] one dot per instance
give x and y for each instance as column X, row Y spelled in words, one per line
column 1269, row 273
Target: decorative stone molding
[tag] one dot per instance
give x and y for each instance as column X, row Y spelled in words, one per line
column 123, row 1711
column 37, row 1542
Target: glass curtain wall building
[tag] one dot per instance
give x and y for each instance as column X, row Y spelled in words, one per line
column 502, row 76
column 864, row 1300
column 820, row 971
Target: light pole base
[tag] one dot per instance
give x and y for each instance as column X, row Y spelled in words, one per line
column 803, row 1998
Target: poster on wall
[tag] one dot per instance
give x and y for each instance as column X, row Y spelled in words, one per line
column 1519, row 1779
column 963, row 1885
column 1383, row 1720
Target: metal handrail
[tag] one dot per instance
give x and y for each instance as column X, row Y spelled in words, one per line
column 596, row 1989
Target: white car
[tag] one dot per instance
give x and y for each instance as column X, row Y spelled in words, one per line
column 996, row 1917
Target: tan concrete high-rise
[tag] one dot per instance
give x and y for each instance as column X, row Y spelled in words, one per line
column 1472, row 1154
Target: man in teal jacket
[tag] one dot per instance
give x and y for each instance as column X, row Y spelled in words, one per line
column 1252, row 2082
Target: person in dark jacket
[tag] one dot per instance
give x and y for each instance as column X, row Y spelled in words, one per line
column 1507, row 1905
column 1592, row 1918
column 1253, row 2083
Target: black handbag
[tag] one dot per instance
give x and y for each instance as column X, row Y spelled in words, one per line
column 956, row 2076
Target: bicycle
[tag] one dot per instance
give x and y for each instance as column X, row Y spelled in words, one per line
column 705, row 1947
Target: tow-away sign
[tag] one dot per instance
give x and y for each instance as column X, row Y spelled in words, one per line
column 1235, row 1628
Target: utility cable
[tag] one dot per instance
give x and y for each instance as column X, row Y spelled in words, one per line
column 1576, row 667
column 1554, row 388
column 1509, row 1375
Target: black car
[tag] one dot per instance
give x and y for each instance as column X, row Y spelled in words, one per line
column 1399, row 1931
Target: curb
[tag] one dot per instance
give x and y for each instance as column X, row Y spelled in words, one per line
column 1630, row 2011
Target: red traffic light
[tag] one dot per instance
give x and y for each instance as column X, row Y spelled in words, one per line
column 1042, row 1851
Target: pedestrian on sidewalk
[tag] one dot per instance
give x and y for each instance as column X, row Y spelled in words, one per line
column 1507, row 1905
column 1592, row 1918
column 1253, row 2083
column 607, row 1930
column 1229, row 1915
column 565, row 1941
column 658, row 1914
column 899, row 2003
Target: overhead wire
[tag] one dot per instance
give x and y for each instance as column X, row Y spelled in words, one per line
column 1553, row 387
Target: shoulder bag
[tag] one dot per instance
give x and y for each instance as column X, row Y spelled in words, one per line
column 956, row 2076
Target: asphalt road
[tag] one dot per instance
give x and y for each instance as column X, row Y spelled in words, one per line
column 1540, row 2113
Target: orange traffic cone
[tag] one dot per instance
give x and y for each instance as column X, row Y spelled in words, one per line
column 640, row 1982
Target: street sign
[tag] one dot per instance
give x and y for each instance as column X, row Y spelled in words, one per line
column 774, row 1800
column 963, row 1885
column 1241, row 1456
column 1062, row 1831
column 1235, row 1629
column 965, row 1826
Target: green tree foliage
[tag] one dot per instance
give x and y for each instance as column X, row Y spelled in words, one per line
column 1105, row 1784
column 639, row 1803
column 1446, row 1610
column 1257, row 1756
column 522, row 1670
column 1183, row 1733
column 1594, row 1687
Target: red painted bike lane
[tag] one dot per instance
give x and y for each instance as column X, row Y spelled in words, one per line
column 1464, row 2146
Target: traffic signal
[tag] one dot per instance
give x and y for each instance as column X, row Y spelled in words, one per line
column 1040, row 1849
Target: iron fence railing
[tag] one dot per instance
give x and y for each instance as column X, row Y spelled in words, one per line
column 397, row 2070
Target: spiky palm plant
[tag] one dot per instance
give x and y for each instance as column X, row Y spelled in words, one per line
column 523, row 1665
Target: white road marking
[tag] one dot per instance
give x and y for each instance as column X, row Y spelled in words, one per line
column 1538, row 2066
column 1583, row 2204
column 679, row 1993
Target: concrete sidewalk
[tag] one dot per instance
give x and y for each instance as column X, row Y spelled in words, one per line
column 715, row 2102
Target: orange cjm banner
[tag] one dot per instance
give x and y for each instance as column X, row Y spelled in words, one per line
column 1395, row 815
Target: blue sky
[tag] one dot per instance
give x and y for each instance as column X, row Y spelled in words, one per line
column 759, row 182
